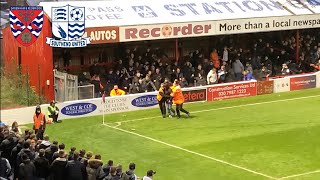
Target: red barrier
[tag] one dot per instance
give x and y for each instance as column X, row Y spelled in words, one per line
column 229, row 91
column 264, row 87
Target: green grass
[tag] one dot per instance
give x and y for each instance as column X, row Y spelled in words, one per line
column 277, row 139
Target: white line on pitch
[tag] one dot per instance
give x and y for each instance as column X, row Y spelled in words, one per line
column 222, row 108
column 192, row 152
column 298, row 175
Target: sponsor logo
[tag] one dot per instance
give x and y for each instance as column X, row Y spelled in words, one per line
column 264, row 87
column 102, row 35
column 166, row 31
column 228, row 91
column 26, row 23
column 78, row 109
column 145, row 101
column 304, row 82
column 68, row 25
column 195, row 95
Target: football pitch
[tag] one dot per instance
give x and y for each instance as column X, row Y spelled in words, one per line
column 273, row 136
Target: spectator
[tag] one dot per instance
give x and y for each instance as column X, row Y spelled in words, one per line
column 41, row 166
column 5, row 170
column 212, row 77
column 15, row 128
column 248, row 75
column 177, row 74
column 184, row 83
column 13, row 157
column 50, row 151
column 238, row 68
column 75, row 170
column 222, row 74
column 106, row 168
column 136, row 78
column 157, row 78
column 119, row 170
column 215, row 58
column 71, row 154
column 316, row 66
column 97, row 85
column 129, row 174
column 57, row 167
column 116, row 91
column 285, row 70
column 27, row 170
column 61, row 147
column 225, row 57
column 112, row 175
column 25, row 150
column 94, row 168
column 149, row 175
column 45, row 143
column 94, row 69
column 85, row 160
column 200, row 80
column 264, row 74
column 82, row 154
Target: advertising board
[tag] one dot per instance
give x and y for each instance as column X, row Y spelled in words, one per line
column 164, row 31
column 195, row 95
column 281, row 85
column 303, row 82
column 233, row 90
column 78, row 109
column 318, row 79
column 264, row 87
column 101, row 35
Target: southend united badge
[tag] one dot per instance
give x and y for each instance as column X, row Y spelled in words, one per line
column 26, row 23
column 68, row 26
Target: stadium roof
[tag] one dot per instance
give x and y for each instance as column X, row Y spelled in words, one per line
column 142, row 12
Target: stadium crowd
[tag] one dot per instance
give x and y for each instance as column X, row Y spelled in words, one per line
column 262, row 56
column 24, row 157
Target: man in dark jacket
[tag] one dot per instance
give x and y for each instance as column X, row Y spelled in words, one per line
column 129, row 174
column 5, row 168
column 75, row 170
column 106, row 168
column 25, row 150
column 50, row 151
column 26, row 168
column 14, row 154
column 42, row 166
column 58, row 167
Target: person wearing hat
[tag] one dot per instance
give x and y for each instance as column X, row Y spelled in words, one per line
column 149, row 175
column 39, row 123
column 53, row 111
column 116, row 91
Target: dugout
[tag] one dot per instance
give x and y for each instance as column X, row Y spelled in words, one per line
column 110, row 24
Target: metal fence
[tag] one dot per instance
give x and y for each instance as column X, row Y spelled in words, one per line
column 83, row 92
column 66, row 86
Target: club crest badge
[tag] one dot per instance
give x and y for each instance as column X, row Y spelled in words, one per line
column 68, row 26
column 26, row 23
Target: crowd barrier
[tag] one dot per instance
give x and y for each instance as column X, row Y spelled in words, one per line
column 132, row 102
